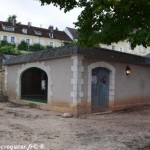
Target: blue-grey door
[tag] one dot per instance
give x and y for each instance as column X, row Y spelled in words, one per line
column 100, row 89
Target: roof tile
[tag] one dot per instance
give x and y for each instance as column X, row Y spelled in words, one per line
column 61, row 35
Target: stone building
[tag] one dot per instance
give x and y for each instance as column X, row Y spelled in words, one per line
column 15, row 33
column 78, row 80
column 122, row 46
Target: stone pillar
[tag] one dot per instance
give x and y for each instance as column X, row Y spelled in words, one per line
column 3, row 95
column 77, row 81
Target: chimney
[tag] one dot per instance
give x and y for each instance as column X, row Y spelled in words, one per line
column 56, row 29
column 13, row 20
column 29, row 24
column 51, row 29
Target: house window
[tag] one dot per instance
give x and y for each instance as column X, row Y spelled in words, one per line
column 28, row 41
column 113, row 47
column 24, row 31
column 9, row 28
column 38, row 32
column 121, row 49
column 5, row 38
column 51, row 44
column 51, row 35
column 13, row 39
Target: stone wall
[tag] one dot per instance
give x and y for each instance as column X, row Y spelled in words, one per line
column 3, row 95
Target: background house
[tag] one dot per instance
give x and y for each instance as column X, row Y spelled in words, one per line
column 15, row 33
column 122, row 46
column 72, row 33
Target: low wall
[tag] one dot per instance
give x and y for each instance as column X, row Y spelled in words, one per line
column 3, row 95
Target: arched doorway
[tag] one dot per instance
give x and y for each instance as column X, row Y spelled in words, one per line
column 34, row 85
column 100, row 89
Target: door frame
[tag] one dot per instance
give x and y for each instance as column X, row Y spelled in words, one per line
column 100, row 102
column 41, row 66
column 31, row 98
column 111, row 70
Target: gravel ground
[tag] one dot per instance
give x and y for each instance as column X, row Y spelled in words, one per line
column 122, row 130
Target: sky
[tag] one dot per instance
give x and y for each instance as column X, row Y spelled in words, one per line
column 40, row 16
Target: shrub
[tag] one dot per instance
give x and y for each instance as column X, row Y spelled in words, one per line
column 67, row 43
column 5, row 43
column 48, row 47
column 23, row 45
column 9, row 50
column 36, row 47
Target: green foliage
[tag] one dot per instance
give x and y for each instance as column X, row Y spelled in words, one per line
column 32, row 48
column 5, row 43
column 36, row 47
column 23, row 45
column 11, row 17
column 107, row 21
column 67, row 43
column 9, row 50
column 48, row 47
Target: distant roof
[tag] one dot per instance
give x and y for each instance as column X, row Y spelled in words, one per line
column 73, row 32
column 31, row 30
column 71, row 50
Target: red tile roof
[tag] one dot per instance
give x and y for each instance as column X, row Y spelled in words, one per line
column 60, row 35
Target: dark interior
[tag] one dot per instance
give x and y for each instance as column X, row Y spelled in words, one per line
column 34, row 85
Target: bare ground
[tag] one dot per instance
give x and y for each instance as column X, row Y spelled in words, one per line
column 123, row 130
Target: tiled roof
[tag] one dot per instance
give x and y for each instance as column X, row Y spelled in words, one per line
column 73, row 32
column 6, row 56
column 61, row 35
column 70, row 50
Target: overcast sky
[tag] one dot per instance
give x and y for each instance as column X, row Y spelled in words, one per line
column 32, row 11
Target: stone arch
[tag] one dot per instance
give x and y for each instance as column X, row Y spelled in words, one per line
column 111, row 80
column 41, row 66
column 34, row 85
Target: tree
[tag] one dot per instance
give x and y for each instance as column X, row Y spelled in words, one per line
column 23, row 45
column 67, row 43
column 9, row 50
column 48, row 47
column 107, row 21
column 11, row 17
column 36, row 47
column 5, row 43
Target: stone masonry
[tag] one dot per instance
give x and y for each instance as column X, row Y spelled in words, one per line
column 3, row 95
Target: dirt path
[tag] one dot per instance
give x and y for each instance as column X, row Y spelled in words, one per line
column 126, row 130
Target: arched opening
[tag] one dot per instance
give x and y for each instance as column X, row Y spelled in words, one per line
column 34, row 85
column 111, row 71
column 100, row 89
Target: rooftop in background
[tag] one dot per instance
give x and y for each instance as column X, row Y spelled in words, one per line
column 34, row 31
column 71, row 50
column 72, row 33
